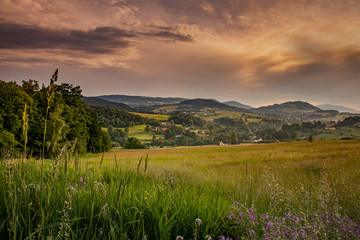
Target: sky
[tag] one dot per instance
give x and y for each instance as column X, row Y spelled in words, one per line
column 257, row 52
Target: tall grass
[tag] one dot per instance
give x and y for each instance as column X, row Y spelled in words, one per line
column 124, row 196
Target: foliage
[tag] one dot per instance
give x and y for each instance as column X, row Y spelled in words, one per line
column 349, row 121
column 134, row 143
column 186, row 119
column 275, row 191
column 116, row 117
column 56, row 108
column 118, row 135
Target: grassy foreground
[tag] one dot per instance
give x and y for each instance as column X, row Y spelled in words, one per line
column 268, row 191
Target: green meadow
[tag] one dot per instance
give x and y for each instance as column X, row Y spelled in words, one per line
column 159, row 193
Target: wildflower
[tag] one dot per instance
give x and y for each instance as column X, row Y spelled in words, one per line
column 198, row 221
column 302, row 233
column 81, row 180
column 207, row 237
column 179, row 238
column 236, row 203
column 222, row 238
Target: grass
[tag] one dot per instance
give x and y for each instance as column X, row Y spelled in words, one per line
column 250, row 117
column 342, row 132
column 159, row 117
column 116, row 196
column 139, row 132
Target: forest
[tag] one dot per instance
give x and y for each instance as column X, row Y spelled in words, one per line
column 42, row 121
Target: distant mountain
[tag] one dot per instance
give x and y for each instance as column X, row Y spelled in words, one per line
column 296, row 110
column 140, row 101
column 288, row 107
column 101, row 102
column 200, row 103
column 338, row 108
column 237, row 104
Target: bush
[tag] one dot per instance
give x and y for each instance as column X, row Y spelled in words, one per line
column 134, row 143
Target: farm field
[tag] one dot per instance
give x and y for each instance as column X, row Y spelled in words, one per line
column 139, row 132
column 312, row 189
column 158, row 117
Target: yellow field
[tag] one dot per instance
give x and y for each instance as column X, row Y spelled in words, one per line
column 292, row 163
column 159, row 117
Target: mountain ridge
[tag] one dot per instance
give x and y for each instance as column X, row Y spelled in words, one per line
column 137, row 101
column 337, row 107
column 237, row 104
column 102, row 102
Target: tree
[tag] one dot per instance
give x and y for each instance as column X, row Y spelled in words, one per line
column 233, row 138
column 147, row 128
column 134, row 143
column 310, row 138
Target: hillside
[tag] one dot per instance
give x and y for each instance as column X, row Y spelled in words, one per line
column 338, row 108
column 297, row 110
column 237, row 104
column 140, row 101
column 116, row 117
column 101, row 102
column 204, row 103
column 286, row 107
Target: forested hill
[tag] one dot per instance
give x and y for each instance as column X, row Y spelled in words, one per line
column 117, row 118
column 204, row 103
column 26, row 109
column 237, row 104
column 140, row 101
column 101, row 102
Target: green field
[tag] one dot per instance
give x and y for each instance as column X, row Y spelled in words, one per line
column 234, row 190
column 343, row 132
column 158, row 117
column 139, row 132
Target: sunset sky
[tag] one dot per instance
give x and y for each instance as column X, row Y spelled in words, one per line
column 257, row 52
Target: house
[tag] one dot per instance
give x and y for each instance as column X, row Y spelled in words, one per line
column 302, row 137
column 164, row 123
column 203, row 132
column 330, row 127
column 164, row 129
column 258, row 139
column 221, row 143
column 154, row 129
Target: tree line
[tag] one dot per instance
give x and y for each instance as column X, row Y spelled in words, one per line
column 40, row 121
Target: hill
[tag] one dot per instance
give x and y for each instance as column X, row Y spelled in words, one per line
column 286, row 107
column 101, row 102
column 140, row 101
column 200, row 103
column 117, row 117
column 338, row 108
column 297, row 110
column 237, row 104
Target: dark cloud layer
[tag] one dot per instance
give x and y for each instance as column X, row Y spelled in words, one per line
column 101, row 40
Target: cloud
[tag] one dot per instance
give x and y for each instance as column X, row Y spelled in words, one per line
column 101, row 40
column 170, row 34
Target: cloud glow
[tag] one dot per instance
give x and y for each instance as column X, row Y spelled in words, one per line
column 274, row 48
